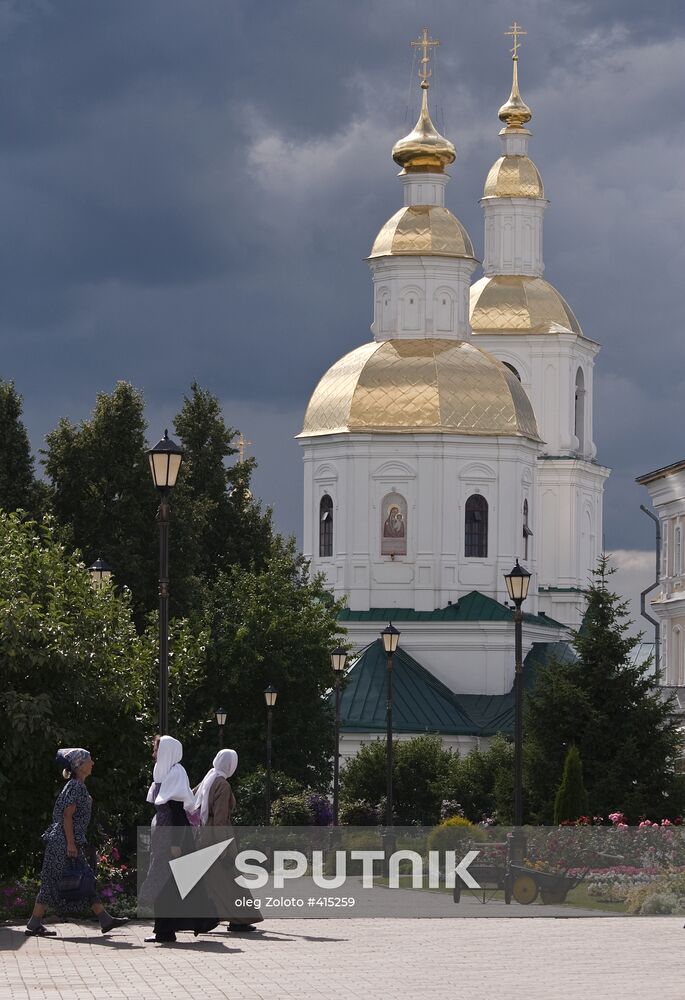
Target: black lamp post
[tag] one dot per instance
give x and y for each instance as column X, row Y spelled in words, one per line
column 165, row 461
column 221, row 722
column 270, row 695
column 391, row 638
column 338, row 661
column 100, row 573
column 517, row 583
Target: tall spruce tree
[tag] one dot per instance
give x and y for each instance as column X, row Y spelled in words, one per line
column 102, row 491
column 613, row 710
column 18, row 487
column 217, row 523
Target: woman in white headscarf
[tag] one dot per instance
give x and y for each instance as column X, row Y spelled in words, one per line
column 172, row 797
column 216, row 803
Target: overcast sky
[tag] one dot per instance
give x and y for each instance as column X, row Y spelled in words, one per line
column 188, row 189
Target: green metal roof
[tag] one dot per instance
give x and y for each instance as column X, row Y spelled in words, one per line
column 473, row 607
column 422, row 703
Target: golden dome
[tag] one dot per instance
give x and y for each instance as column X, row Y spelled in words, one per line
column 424, row 230
column 513, row 177
column 420, row 386
column 512, row 303
column 424, row 149
column 515, row 113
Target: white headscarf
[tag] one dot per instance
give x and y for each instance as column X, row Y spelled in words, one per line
column 223, row 766
column 170, row 775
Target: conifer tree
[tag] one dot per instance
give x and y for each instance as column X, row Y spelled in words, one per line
column 18, row 487
column 571, row 798
column 627, row 734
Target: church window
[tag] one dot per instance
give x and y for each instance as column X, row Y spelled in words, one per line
column 325, row 527
column 527, row 533
column 579, row 418
column 476, row 527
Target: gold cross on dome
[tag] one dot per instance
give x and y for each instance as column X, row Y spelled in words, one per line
column 242, row 443
column 426, row 43
column 515, row 30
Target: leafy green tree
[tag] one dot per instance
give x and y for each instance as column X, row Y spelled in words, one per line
column 278, row 626
column 102, row 491
column 423, row 772
column 18, row 487
column 74, row 672
column 571, row 799
column 485, row 782
column 217, row 523
column 71, row 661
column 613, row 710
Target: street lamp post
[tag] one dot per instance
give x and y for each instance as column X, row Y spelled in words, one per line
column 221, row 722
column 391, row 638
column 338, row 661
column 517, row 583
column 270, row 695
column 100, row 573
column 165, row 461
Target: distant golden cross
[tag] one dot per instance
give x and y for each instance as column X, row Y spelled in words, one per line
column 426, row 43
column 241, row 447
column 515, row 30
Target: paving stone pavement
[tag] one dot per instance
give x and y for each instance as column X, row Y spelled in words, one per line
column 356, row 959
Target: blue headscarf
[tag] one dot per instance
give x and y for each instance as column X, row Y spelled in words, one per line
column 71, row 758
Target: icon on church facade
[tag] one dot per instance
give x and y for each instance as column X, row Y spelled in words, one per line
column 394, row 533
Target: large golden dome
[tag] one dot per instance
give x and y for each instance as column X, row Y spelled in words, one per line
column 420, row 386
column 512, row 303
column 513, row 177
column 423, row 229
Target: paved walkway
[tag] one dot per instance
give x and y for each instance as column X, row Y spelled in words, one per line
column 356, row 959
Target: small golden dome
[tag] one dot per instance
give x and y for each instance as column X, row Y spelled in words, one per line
column 423, row 229
column 420, row 387
column 512, row 303
column 513, row 177
column 424, row 149
column 515, row 113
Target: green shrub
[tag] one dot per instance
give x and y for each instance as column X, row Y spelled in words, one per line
column 571, row 798
column 250, row 793
column 455, row 834
column 360, row 812
column 292, row 810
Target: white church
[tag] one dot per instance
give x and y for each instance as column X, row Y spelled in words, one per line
column 458, row 439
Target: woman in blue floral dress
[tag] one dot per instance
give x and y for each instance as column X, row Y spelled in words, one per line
column 64, row 839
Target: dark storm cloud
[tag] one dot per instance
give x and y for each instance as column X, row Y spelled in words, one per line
column 197, row 184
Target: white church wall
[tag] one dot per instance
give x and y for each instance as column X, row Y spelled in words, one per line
column 417, row 296
column 434, row 475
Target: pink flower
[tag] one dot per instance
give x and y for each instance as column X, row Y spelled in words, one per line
column 665, row 822
column 115, row 854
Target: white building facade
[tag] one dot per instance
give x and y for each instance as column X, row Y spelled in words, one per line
column 666, row 489
column 526, row 323
column 458, row 439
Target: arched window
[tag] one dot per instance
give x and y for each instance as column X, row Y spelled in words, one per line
column 579, row 420
column 476, row 527
column 527, row 533
column 511, row 369
column 326, row 526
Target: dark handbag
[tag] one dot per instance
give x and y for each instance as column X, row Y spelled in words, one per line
column 77, row 881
